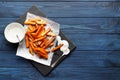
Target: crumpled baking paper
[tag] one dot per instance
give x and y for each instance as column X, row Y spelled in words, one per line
column 22, row 51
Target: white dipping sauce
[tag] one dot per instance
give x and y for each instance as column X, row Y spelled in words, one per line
column 14, row 32
column 65, row 48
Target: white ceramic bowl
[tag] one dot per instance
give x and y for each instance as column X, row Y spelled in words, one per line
column 14, row 32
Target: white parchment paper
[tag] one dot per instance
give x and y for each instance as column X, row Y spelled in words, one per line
column 22, row 51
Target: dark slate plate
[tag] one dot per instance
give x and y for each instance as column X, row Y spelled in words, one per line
column 45, row 70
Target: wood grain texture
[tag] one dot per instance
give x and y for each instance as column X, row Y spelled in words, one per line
column 79, row 25
column 82, row 41
column 58, row 0
column 94, row 27
column 75, row 21
column 63, row 9
column 84, row 74
column 89, row 59
column 8, row 59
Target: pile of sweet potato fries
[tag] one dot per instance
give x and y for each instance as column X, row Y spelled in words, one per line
column 38, row 39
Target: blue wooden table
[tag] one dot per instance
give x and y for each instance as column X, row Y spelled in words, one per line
column 92, row 25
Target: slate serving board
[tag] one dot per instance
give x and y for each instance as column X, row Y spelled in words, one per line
column 45, row 70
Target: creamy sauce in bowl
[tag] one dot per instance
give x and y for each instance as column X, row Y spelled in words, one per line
column 14, row 32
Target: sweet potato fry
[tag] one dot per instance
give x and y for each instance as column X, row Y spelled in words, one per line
column 35, row 45
column 30, row 27
column 42, row 51
column 32, row 31
column 41, row 22
column 32, row 46
column 39, row 39
column 47, row 50
column 42, row 31
column 44, row 42
column 48, row 30
column 39, row 43
column 38, row 31
column 51, row 34
column 38, row 22
column 57, row 47
column 39, row 54
column 51, row 39
column 42, row 55
column 29, row 23
column 36, row 26
column 26, row 41
column 51, row 44
column 31, row 50
column 30, row 36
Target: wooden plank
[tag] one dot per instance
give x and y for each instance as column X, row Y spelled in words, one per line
column 93, row 21
column 80, row 25
column 88, row 73
column 63, row 9
column 74, row 21
column 82, row 41
column 56, row 0
column 84, row 29
column 8, row 59
column 76, row 74
column 19, row 74
column 5, row 45
column 90, row 29
column 95, row 41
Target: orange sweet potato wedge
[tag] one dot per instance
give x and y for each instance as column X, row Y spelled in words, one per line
column 39, row 39
column 46, row 31
column 42, row 51
column 31, row 50
column 57, row 47
column 51, row 39
column 26, row 41
column 51, row 34
column 29, row 23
